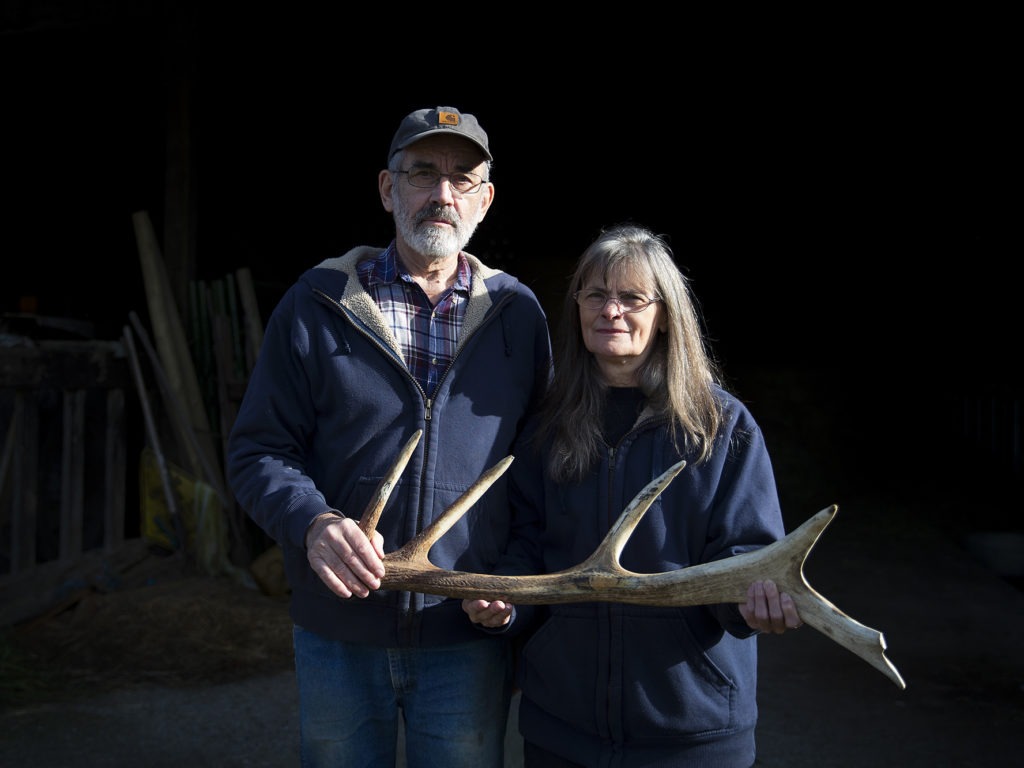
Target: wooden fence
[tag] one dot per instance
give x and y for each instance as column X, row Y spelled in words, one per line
column 62, row 467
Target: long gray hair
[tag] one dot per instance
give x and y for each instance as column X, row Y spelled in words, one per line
column 677, row 378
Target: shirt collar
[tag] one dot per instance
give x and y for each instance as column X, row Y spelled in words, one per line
column 386, row 268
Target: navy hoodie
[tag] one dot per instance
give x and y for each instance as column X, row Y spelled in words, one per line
column 613, row 684
column 331, row 403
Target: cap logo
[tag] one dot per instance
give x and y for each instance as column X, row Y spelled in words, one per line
column 447, row 118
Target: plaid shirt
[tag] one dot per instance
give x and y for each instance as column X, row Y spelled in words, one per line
column 426, row 334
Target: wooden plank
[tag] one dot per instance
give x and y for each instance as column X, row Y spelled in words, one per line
column 208, row 470
column 6, row 458
column 9, row 468
column 72, row 476
column 173, row 349
column 237, row 356
column 84, row 373
column 154, row 441
column 225, row 372
column 223, row 356
column 63, row 365
column 33, row 592
column 251, row 313
column 201, row 345
column 25, row 486
column 115, row 470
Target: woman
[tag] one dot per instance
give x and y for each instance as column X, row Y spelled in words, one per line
column 634, row 392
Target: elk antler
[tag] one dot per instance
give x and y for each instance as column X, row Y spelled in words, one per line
column 601, row 578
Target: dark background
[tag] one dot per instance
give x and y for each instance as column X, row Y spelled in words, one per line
column 839, row 191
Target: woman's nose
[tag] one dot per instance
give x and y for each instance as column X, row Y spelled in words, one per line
column 612, row 307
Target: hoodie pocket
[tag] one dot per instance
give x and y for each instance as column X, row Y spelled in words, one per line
column 670, row 683
column 560, row 672
column 647, row 679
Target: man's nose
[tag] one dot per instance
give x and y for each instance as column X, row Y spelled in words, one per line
column 443, row 191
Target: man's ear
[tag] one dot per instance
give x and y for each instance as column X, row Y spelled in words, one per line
column 485, row 205
column 385, row 183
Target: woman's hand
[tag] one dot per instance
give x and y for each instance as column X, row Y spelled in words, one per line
column 492, row 614
column 769, row 610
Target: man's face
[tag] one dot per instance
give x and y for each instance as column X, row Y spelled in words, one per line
column 437, row 221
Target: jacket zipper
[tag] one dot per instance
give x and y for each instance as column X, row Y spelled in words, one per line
column 428, row 402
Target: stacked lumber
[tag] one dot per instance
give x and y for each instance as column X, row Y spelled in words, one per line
column 201, row 375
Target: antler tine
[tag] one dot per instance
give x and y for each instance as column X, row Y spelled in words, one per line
column 418, row 547
column 607, row 554
column 368, row 522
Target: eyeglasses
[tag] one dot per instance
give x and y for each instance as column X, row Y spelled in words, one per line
column 593, row 299
column 462, row 182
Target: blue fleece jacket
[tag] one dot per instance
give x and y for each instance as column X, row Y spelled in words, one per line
column 330, row 404
column 613, row 684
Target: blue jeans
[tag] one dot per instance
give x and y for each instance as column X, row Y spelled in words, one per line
column 454, row 701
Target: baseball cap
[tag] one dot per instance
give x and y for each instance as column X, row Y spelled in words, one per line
column 427, row 122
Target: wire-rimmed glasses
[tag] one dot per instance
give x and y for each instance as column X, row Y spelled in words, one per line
column 629, row 301
column 462, row 182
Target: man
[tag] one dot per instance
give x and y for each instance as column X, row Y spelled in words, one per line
column 361, row 352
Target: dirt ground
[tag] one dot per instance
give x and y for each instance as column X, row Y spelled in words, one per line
column 167, row 624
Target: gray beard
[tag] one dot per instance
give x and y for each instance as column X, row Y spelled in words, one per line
column 430, row 241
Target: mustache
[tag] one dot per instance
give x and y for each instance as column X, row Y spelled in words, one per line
column 434, row 211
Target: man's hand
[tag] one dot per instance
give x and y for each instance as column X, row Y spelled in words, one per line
column 341, row 555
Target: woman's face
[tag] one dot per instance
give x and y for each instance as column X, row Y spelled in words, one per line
column 619, row 340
